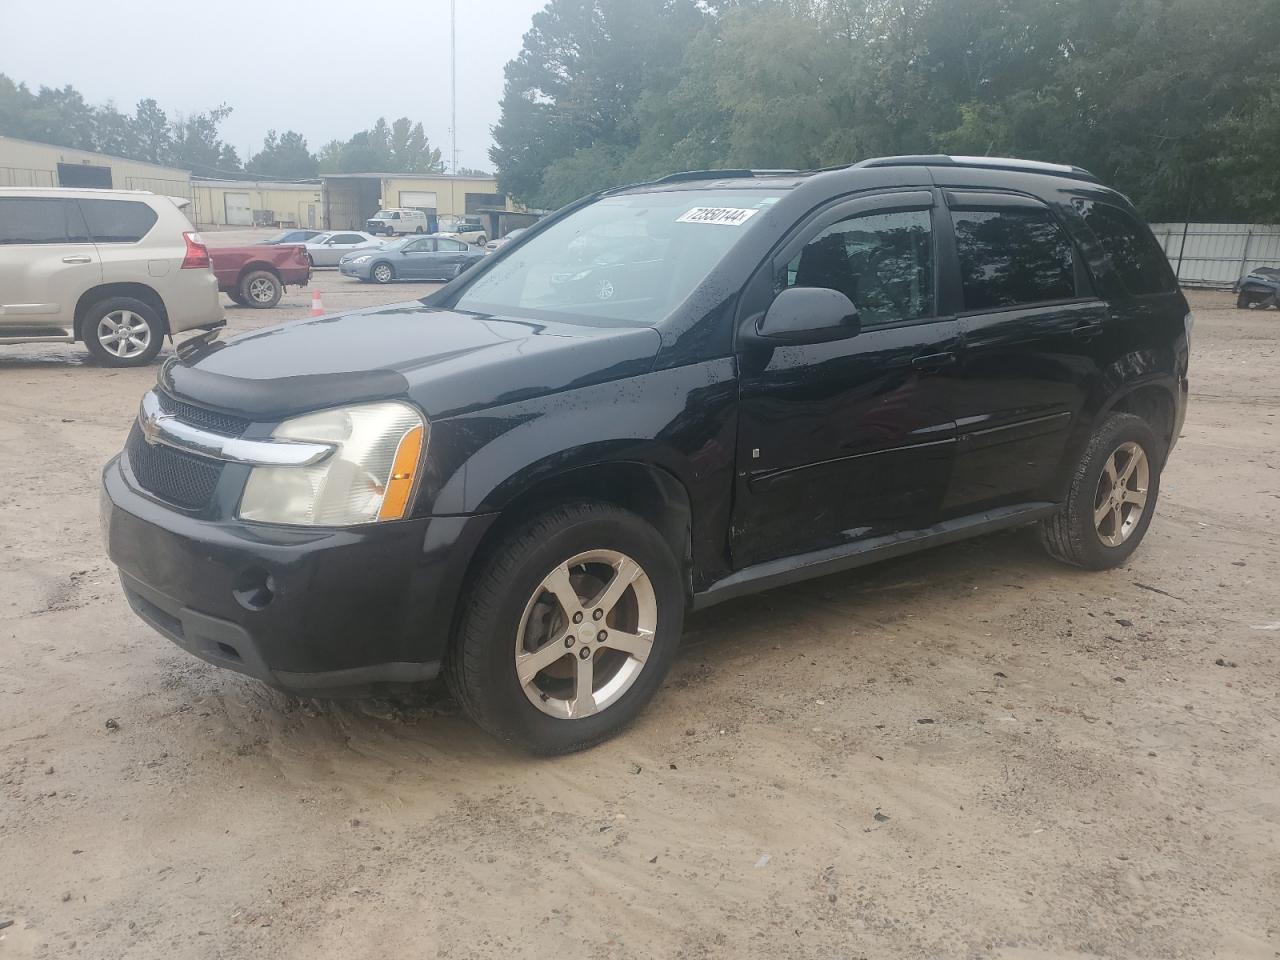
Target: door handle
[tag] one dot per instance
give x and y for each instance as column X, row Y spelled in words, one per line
column 1087, row 330
column 933, row 361
column 78, row 258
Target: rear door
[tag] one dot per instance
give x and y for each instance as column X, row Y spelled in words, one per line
column 849, row 439
column 451, row 254
column 47, row 261
column 1035, row 335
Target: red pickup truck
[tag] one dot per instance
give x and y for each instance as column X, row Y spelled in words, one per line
column 256, row 275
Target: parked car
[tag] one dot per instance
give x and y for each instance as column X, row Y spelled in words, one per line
column 256, row 275
column 327, row 249
column 397, row 220
column 526, row 486
column 1259, row 287
column 501, row 242
column 293, row 236
column 413, row 258
column 118, row 270
column 468, row 232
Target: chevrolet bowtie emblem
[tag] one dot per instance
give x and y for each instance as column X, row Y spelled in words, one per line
column 150, row 424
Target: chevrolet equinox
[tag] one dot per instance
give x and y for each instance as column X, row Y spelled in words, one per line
column 661, row 397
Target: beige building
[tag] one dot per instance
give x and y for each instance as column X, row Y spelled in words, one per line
column 24, row 163
column 243, row 203
column 352, row 198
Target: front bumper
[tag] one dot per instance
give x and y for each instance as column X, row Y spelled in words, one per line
column 311, row 611
column 358, row 270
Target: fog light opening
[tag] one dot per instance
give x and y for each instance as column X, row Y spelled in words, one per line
column 254, row 588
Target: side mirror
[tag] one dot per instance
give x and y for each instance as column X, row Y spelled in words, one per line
column 809, row 315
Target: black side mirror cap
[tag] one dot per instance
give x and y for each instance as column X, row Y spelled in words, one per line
column 808, row 315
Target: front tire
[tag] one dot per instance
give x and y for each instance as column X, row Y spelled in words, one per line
column 123, row 332
column 260, row 289
column 569, row 629
column 382, row 273
column 1112, row 497
column 1244, row 301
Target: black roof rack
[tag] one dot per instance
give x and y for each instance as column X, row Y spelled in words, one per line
column 990, row 163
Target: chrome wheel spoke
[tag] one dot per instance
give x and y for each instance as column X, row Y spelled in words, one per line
column 529, row 665
column 636, row 645
column 557, row 583
column 583, row 703
column 624, row 574
column 1101, row 513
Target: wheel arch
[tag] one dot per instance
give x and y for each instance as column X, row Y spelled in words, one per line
column 1154, row 401
column 105, row 291
column 644, row 488
column 254, row 267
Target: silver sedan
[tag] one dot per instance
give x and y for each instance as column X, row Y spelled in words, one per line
column 328, row 248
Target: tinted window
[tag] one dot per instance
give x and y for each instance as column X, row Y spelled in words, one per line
column 40, row 220
column 1012, row 256
column 348, row 238
column 453, row 245
column 882, row 262
column 118, row 221
column 1133, row 252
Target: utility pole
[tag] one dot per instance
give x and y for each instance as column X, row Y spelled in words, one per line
column 453, row 80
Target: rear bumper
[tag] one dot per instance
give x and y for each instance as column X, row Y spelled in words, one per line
column 334, row 612
column 192, row 302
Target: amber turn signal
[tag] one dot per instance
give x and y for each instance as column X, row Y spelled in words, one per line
column 396, row 500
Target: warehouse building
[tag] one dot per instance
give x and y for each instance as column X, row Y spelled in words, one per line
column 336, row 201
column 262, row 203
column 352, row 198
column 24, row 163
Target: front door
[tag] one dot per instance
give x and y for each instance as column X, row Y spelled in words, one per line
column 1034, row 333
column 46, row 262
column 849, row 439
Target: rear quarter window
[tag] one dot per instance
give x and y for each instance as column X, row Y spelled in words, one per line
column 40, row 220
column 1133, row 253
column 1012, row 256
column 118, row 221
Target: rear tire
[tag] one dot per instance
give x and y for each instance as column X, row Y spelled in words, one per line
column 1112, row 497
column 122, row 332
column 1244, row 301
column 481, row 240
column 520, row 664
column 260, row 289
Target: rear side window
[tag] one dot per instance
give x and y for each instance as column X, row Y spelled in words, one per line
column 118, row 221
column 1133, row 252
column 1012, row 256
column 40, row 220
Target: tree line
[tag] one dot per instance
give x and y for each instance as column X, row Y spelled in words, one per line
column 61, row 116
column 1175, row 102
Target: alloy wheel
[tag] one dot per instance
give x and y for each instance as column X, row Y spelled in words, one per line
column 382, row 273
column 262, row 290
column 124, row 334
column 1121, row 497
column 586, row 634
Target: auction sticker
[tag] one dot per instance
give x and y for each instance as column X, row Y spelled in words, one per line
column 725, row 216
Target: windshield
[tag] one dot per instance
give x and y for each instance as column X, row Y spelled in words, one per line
column 632, row 258
column 385, row 215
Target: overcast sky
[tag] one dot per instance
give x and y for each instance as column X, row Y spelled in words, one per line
column 324, row 68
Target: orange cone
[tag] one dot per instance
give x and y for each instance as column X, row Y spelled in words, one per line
column 317, row 305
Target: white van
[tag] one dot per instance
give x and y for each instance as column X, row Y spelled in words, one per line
column 397, row 220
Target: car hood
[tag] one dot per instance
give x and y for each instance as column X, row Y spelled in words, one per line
column 445, row 361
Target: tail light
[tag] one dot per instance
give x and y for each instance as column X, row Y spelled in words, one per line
column 197, row 257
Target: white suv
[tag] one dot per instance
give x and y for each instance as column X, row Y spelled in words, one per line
column 118, row 269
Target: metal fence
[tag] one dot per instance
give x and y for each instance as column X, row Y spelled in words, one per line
column 1218, row 254
column 21, row 177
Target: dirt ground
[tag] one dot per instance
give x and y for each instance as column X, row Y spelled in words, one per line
column 971, row 753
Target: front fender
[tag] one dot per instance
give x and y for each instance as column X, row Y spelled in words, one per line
column 682, row 420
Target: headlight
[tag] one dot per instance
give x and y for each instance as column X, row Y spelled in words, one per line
column 370, row 475
column 363, row 259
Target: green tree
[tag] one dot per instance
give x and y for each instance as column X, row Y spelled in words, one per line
column 283, row 157
column 401, row 147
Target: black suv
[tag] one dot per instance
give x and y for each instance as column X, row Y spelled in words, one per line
column 661, row 397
